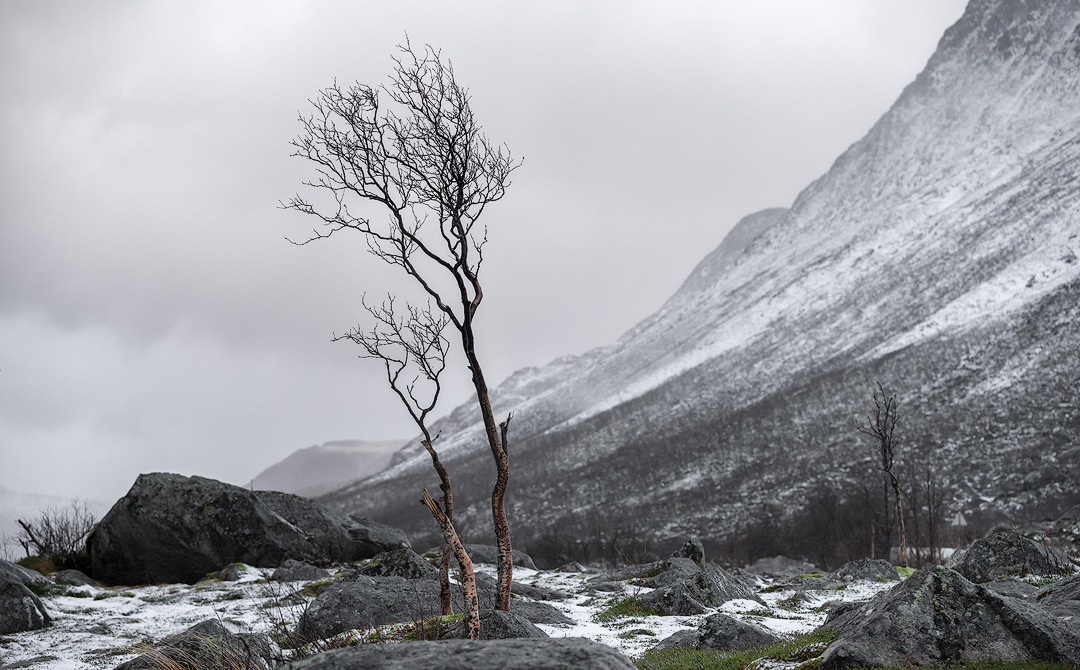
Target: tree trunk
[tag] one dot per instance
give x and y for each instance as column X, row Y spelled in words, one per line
column 468, row 579
column 900, row 521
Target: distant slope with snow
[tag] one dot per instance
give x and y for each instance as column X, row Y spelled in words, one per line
column 324, row 467
column 939, row 255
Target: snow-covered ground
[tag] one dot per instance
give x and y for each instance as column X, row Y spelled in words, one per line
column 104, row 627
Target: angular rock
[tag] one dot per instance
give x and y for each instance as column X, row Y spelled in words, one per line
column 674, row 569
column 74, row 577
column 537, row 612
column 170, row 528
column 18, row 573
column 520, row 654
column 359, row 601
column 870, row 569
column 208, row 644
column 292, row 570
column 400, row 563
column 693, row 595
column 372, row 538
column 1011, row 587
column 230, row 573
column 936, row 616
column 499, row 625
column 1062, row 598
column 680, row 638
column 1008, row 554
column 487, row 553
column 692, row 549
column 20, row 609
column 720, row 631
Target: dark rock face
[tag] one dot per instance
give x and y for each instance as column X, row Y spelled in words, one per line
column 872, row 569
column 1013, row 588
column 520, row 654
column 692, row 595
column 674, row 569
column 359, row 601
column 499, row 625
column 73, row 577
column 936, row 616
column 170, row 528
column 20, row 609
column 680, row 638
column 18, row 573
column 402, row 562
column 209, row 644
column 292, row 570
column 720, row 631
column 1008, row 554
column 1062, row 599
column 488, row 553
column 540, row 613
column 692, row 549
column 371, row 538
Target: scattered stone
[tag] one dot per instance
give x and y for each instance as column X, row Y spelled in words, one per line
column 402, row 562
column 692, row 549
column 540, row 612
column 870, row 569
column 74, row 577
column 292, row 570
column 1012, row 588
column 693, row 595
column 681, row 638
column 20, row 609
column 170, row 528
column 230, row 573
column 575, row 567
column 720, row 631
column 781, row 566
column 487, row 553
column 672, row 570
column 359, row 601
column 28, row 663
column 208, row 644
column 937, row 617
column 18, row 573
column 500, row 625
column 604, row 587
column 521, row 654
column 1008, row 554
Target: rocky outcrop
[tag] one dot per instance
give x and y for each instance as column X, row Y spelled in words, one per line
column 694, row 594
column 209, row 644
column 292, row 570
column 674, row 569
column 402, row 562
column 17, row 573
column 936, row 616
column 521, row 654
column 20, row 609
column 170, row 528
column 1062, row 599
column 720, row 631
column 1008, row 554
column 692, row 549
column 872, row 569
column 487, row 553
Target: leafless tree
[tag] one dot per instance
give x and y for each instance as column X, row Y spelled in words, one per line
column 58, row 533
column 881, row 429
column 407, row 166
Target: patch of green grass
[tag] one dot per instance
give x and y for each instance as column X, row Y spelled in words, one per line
column 903, row 572
column 312, row 589
column 624, row 607
column 798, row 649
column 809, row 575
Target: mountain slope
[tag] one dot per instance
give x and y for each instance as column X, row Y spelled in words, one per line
column 938, row 255
column 324, row 467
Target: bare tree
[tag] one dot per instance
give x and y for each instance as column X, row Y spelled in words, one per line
column 58, row 533
column 881, row 429
column 413, row 178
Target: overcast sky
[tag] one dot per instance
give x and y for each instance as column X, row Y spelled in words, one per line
column 152, row 315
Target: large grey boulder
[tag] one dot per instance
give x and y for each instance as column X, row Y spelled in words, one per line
column 208, row 644
column 292, row 570
column 694, row 594
column 18, row 573
column 170, row 528
column 538, row 612
column 870, row 569
column 670, row 571
column 359, row 601
column 520, row 654
column 936, row 616
column 488, row 553
column 1008, row 554
column 20, row 609
column 500, row 625
column 402, row 562
column 720, row 631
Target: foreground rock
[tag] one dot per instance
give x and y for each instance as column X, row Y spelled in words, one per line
column 520, row 654
column 1062, row 599
column 170, row 528
column 17, row 573
column 720, row 631
column 694, row 594
column 402, row 562
column 210, row 644
column 936, row 616
column 20, row 609
column 1008, row 554
column 359, row 601
column 499, row 625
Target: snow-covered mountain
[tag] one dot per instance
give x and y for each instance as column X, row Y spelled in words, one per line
column 938, row 255
column 324, row 467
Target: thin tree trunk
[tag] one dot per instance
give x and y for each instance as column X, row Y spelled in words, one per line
column 445, row 600
column 468, row 579
column 900, row 521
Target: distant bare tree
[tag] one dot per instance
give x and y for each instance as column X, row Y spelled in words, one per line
column 413, row 178
column 881, row 429
column 58, row 533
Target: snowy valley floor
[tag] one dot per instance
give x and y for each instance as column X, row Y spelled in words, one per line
column 104, row 627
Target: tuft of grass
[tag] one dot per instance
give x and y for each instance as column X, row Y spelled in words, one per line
column 42, row 564
column 809, row 575
column 796, row 650
column 903, row 572
column 624, row 607
column 312, row 590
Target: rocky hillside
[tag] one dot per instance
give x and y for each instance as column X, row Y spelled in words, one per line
column 938, row 255
column 324, row 467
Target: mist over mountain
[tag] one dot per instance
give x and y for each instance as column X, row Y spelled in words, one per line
column 938, row 256
column 324, row 467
